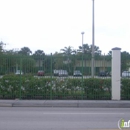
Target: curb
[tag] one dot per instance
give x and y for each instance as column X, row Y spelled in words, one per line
column 65, row 103
column 6, row 105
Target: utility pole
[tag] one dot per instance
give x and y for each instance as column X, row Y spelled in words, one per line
column 92, row 65
column 82, row 60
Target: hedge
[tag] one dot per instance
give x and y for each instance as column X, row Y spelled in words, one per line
column 30, row 87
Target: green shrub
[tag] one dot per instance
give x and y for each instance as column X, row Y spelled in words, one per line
column 9, row 86
column 97, row 88
column 125, row 89
column 33, row 87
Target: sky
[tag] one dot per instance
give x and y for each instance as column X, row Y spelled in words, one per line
column 51, row 25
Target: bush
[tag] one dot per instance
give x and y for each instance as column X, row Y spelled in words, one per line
column 125, row 89
column 97, row 88
column 33, row 87
column 9, row 86
column 24, row 86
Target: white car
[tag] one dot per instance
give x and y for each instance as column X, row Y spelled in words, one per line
column 56, row 72
column 77, row 73
column 18, row 72
column 63, row 73
column 126, row 74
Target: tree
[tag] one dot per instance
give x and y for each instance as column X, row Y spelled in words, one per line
column 47, row 64
column 25, row 51
column 39, row 57
column 1, row 46
column 67, row 52
column 87, row 50
column 96, row 50
column 11, row 52
column 58, row 61
column 125, row 60
column 110, row 53
column 39, row 53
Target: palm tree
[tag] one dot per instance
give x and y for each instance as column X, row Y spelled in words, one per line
column 67, row 52
column 96, row 50
column 85, row 49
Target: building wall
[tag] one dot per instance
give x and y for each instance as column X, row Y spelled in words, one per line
column 98, row 63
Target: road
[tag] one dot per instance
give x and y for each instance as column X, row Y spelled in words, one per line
column 44, row 118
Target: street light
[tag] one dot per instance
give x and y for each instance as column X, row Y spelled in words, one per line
column 82, row 49
column 82, row 40
column 82, row 46
column 92, row 66
column 82, row 61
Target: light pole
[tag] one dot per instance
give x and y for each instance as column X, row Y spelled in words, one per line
column 82, row 60
column 82, row 40
column 82, row 49
column 92, row 66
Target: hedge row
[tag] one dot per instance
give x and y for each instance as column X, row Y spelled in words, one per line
column 30, row 87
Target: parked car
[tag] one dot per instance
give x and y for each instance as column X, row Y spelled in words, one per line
column 104, row 73
column 126, row 74
column 18, row 72
column 77, row 73
column 40, row 73
column 56, row 72
column 63, row 73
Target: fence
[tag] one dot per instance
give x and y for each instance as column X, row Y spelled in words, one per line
column 19, row 77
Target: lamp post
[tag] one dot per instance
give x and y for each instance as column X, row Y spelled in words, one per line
column 82, row 40
column 82, row 61
column 82, row 49
column 92, row 66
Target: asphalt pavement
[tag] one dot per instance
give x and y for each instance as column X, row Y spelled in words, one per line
column 62, row 118
column 66, row 103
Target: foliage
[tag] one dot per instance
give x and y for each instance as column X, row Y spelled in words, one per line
column 68, row 59
column 25, row 51
column 125, row 89
column 30, row 87
column 97, row 88
column 39, row 55
column 13, row 86
column 9, row 87
column 1, row 46
column 11, row 63
column 58, row 61
column 68, row 51
column 125, row 60
column 87, row 51
column 47, row 64
column 28, row 65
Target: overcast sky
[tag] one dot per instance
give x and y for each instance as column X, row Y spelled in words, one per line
column 50, row 25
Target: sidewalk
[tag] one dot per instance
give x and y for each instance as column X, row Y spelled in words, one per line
column 66, row 103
